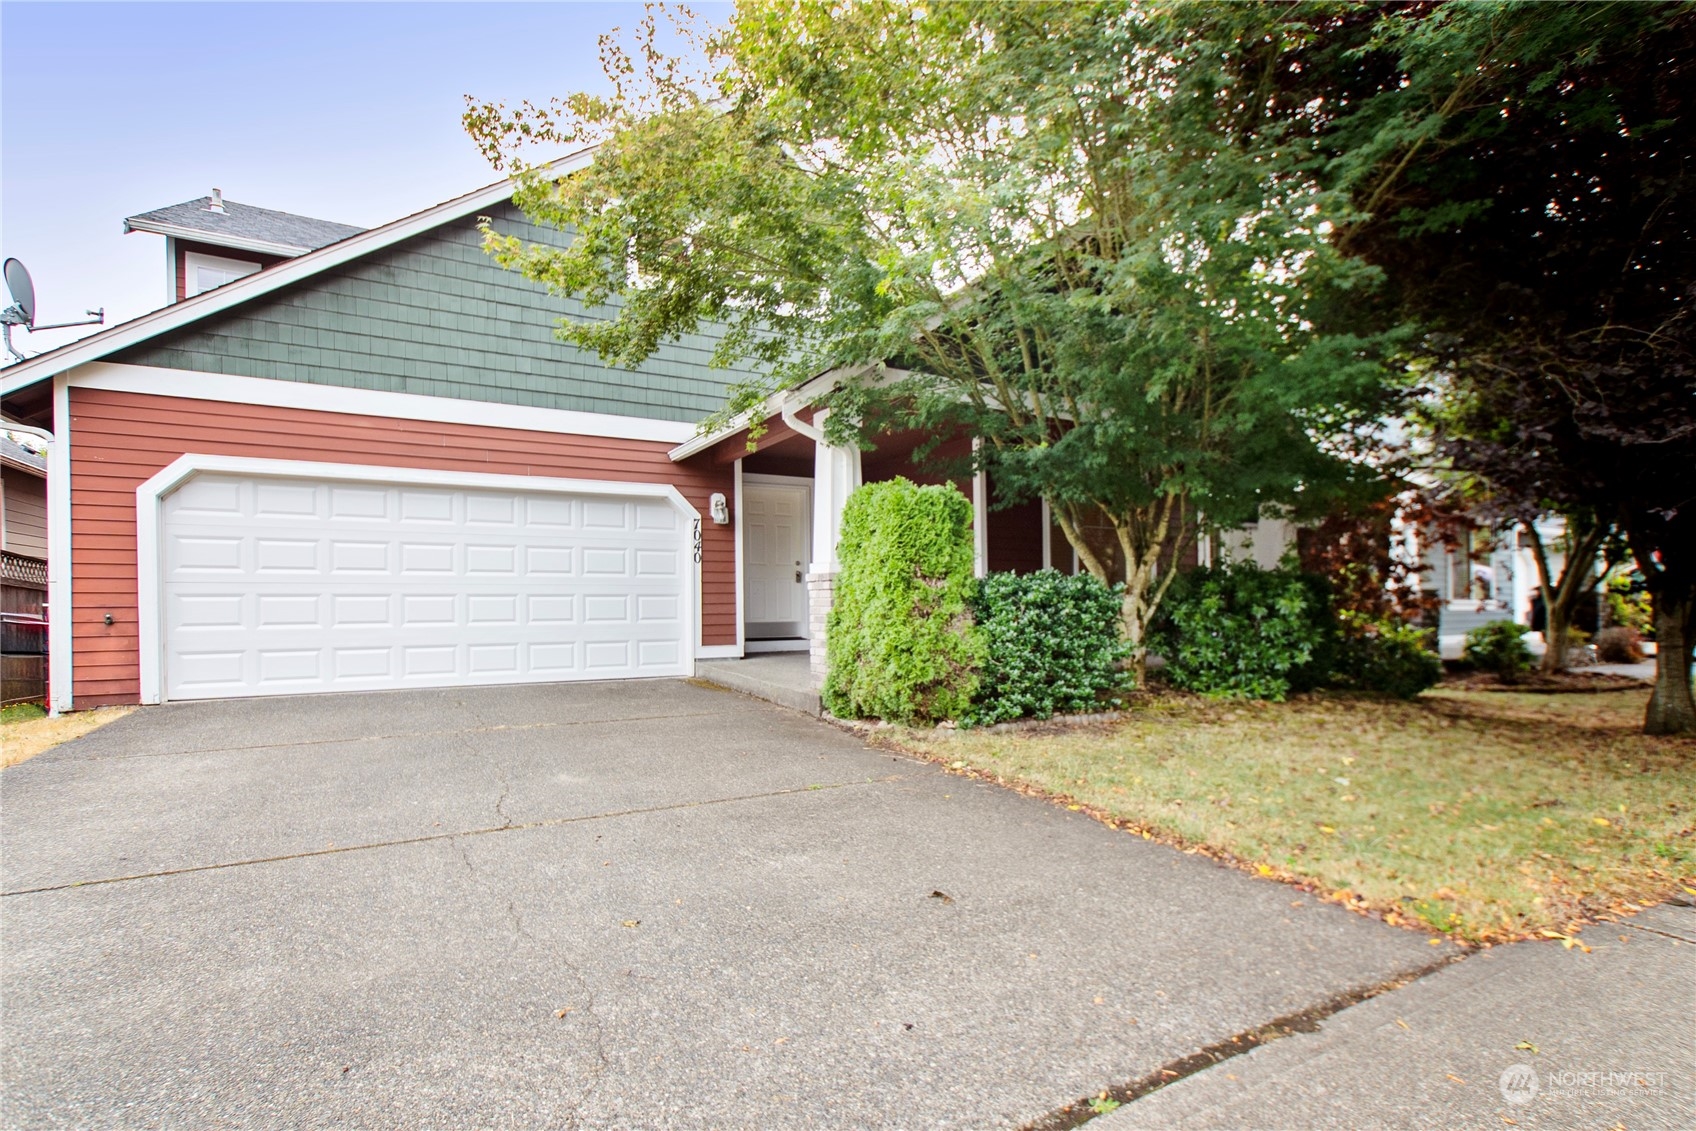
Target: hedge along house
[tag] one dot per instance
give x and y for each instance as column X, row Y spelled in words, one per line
column 372, row 465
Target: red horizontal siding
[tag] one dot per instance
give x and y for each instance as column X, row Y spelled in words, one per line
column 119, row 440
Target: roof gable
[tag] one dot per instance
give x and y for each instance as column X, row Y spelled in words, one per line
column 107, row 342
column 435, row 315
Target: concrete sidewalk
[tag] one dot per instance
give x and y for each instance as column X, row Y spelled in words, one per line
column 1612, row 1035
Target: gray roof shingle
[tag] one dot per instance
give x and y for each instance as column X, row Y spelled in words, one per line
column 14, row 452
column 241, row 224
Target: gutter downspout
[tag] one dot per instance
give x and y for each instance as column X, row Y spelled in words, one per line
column 787, row 412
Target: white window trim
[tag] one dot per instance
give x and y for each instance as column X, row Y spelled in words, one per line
column 150, row 496
column 980, row 514
column 154, row 380
column 194, row 260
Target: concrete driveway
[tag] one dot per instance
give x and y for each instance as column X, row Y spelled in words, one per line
column 616, row 905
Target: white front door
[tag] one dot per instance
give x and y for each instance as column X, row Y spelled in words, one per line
column 777, row 520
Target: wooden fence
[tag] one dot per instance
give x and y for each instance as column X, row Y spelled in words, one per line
column 23, row 629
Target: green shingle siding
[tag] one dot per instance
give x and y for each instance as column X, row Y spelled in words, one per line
column 434, row 315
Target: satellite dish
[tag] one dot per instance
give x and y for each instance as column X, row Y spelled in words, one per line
column 22, row 310
column 22, row 288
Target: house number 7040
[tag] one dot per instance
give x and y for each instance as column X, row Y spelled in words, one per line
column 697, row 541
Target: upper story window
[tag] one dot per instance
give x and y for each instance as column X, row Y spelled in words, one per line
column 205, row 272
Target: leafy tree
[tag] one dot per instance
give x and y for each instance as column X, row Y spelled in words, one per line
column 1089, row 234
column 1526, row 180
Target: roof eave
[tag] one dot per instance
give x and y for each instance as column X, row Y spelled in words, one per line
column 806, row 393
column 217, row 239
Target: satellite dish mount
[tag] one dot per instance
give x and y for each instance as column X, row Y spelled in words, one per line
column 22, row 310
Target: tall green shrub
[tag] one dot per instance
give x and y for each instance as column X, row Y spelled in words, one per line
column 1244, row 632
column 1053, row 645
column 901, row 644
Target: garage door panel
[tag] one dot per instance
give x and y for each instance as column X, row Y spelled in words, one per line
column 282, row 586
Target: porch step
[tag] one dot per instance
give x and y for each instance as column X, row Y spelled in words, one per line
column 784, row 679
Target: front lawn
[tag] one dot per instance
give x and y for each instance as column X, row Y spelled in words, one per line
column 1486, row 815
column 27, row 730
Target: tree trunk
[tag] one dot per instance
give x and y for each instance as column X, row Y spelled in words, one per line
column 1136, row 634
column 1672, row 710
column 1582, row 539
column 1555, row 632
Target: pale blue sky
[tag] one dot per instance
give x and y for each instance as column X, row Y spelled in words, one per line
column 346, row 112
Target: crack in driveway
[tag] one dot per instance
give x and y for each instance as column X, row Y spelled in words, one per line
column 597, row 1029
column 551, row 822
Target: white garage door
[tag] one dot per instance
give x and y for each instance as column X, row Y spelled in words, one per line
column 282, row 586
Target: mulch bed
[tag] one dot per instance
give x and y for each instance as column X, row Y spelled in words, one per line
column 1538, row 683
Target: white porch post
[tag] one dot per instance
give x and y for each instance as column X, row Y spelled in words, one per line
column 1047, row 534
column 980, row 516
column 836, row 472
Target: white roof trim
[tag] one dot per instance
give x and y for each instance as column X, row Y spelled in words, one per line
column 96, row 346
column 806, row 392
column 214, row 239
column 161, row 382
column 20, row 465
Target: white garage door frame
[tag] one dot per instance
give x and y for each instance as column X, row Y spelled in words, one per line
column 150, row 496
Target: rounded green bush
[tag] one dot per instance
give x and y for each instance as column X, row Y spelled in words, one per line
column 1498, row 647
column 1389, row 657
column 1053, row 645
column 1239, row 631
column 901, row 642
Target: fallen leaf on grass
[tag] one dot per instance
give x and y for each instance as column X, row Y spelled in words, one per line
column 562, row 1012
column 1403, row 1024
column 1526, row 1046
column 1455, row 1078
column 1603, row 821
column 942, row 895
column 633, row 922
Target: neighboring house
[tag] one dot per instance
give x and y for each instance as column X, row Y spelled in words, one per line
column 23, row 501
column 1491, row 575
column 211, row 241
column 23, row 572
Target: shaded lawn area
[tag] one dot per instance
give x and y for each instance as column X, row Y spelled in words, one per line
column 1486, row 815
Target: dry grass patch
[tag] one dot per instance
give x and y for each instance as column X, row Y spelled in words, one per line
column 26, row 730
column 1485, row 815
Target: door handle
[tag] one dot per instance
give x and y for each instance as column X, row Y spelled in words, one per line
column 797, row 575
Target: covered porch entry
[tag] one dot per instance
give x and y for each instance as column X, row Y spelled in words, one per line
column 790, row 487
